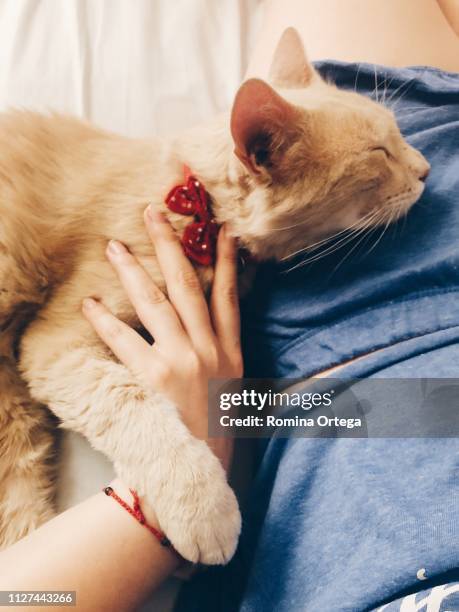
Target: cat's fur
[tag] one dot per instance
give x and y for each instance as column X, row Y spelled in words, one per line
column 282, row 174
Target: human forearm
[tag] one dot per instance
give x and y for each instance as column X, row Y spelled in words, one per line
column 96, row 549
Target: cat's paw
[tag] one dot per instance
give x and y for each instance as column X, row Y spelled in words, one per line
column 198, row 510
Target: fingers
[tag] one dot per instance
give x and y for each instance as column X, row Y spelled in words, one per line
column 183, row 285
column 123, row 341
column 153, row 309
column 224, row 300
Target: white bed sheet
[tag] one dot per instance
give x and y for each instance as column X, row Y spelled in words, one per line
column 139, row 67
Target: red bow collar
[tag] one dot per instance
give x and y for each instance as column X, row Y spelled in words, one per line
column 199, row 239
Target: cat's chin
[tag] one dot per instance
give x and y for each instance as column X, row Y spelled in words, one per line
column 409, row 199
column 420, row 187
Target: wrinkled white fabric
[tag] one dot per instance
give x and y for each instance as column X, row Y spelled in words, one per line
column 140, row 68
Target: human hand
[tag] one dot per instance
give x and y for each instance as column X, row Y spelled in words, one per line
column 193, row 343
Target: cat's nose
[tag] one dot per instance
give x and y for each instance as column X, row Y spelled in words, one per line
column 419, row 165
column 422, row 169
column 424, row 173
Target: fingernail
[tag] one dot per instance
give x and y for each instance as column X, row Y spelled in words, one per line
column 154, row 215
column 89, row 303
column 115, row 247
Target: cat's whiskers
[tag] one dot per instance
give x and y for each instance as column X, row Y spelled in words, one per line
column 409, row 111
column 341, row 243
column 399, row 88
column 356, row 78
column 384, row 93
column 336, row 247
column 405, row 217
column 391, row 217
column 409, row 84
column 375, row 90
column 364, row 237
column 349, row 253
column 316, row 245
column 331, row 201
column 386, row 86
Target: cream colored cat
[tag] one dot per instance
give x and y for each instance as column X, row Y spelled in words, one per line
column 291, row 166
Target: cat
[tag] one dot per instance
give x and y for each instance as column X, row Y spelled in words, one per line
column 296, row 161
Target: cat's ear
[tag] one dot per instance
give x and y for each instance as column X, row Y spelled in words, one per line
column 261, row 125
column 290, row 67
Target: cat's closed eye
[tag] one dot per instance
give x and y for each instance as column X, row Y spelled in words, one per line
column 383, row 150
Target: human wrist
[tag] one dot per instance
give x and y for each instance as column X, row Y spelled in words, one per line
column 149, row 520
column 123, row 491
column 196, row 419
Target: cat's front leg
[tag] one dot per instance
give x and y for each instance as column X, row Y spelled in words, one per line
column 141, row 432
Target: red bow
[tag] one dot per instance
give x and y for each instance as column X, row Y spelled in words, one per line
column 200, row 237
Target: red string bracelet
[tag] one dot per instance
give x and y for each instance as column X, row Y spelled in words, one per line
column 139, row 516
